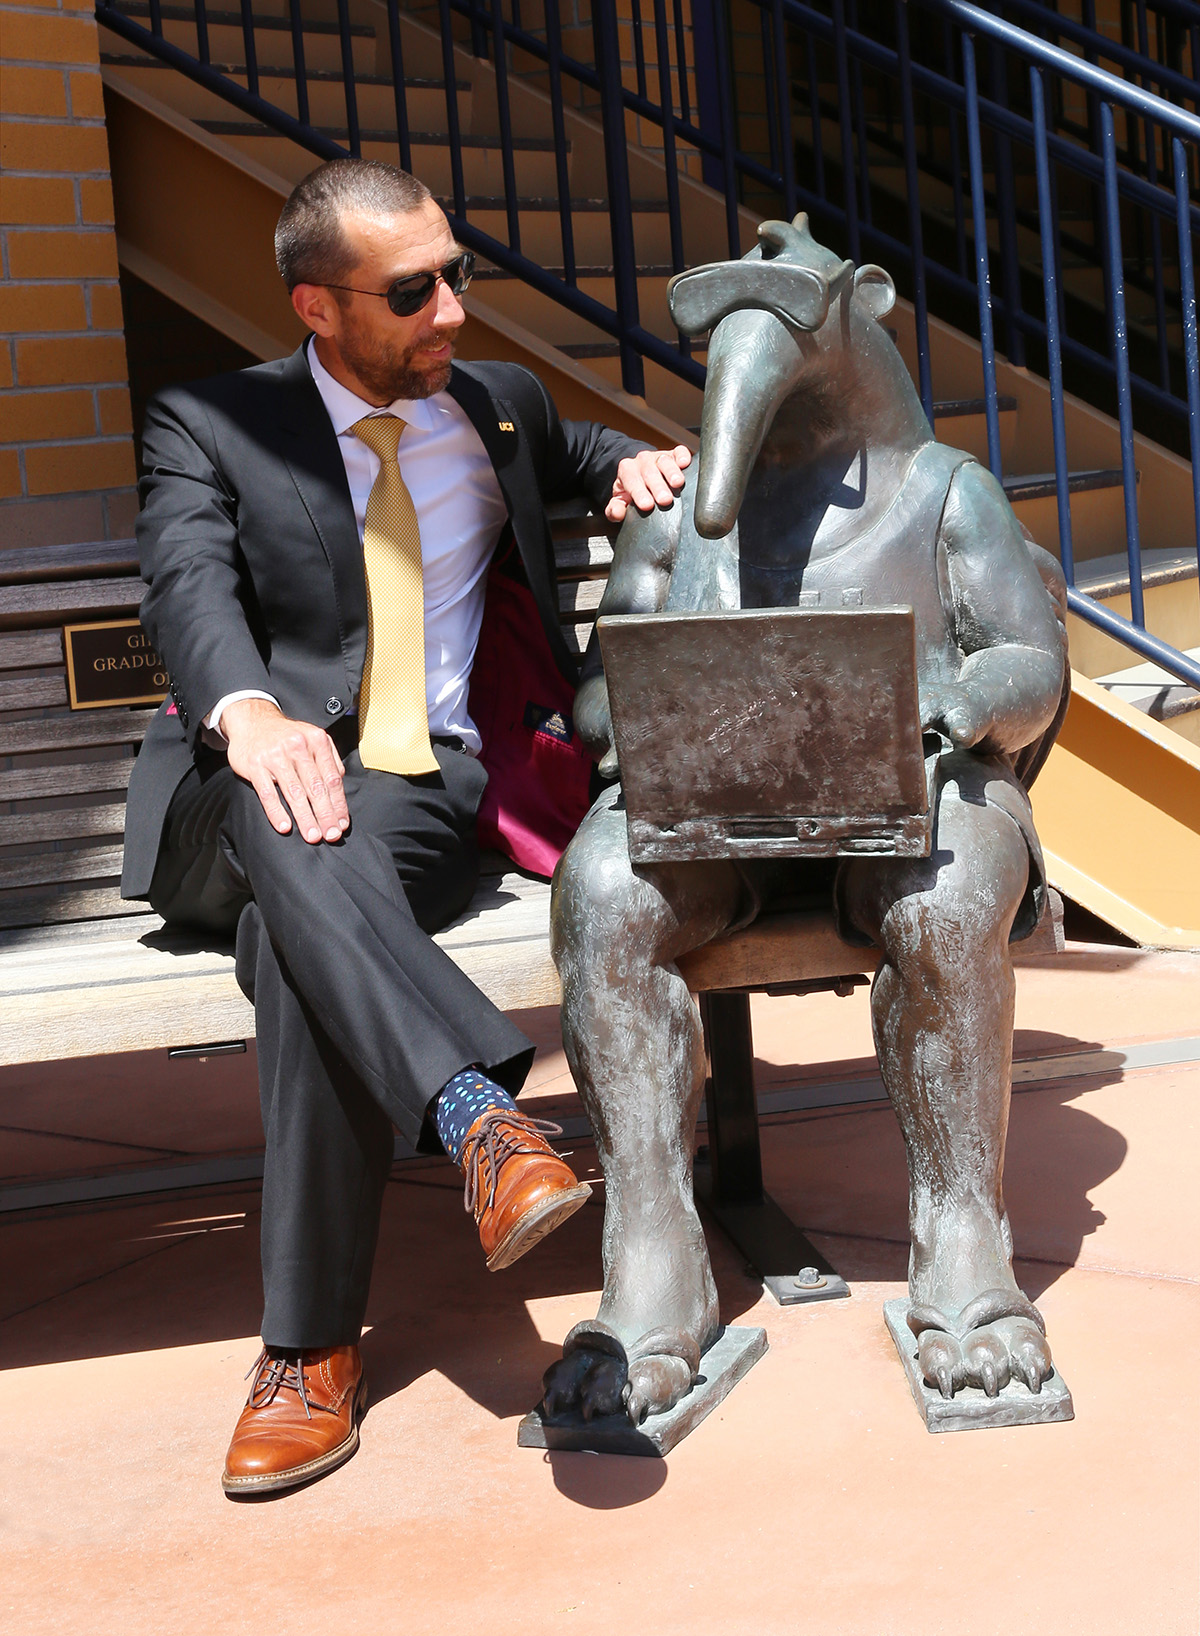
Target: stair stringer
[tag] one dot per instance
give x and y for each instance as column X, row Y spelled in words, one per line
column 1117, row 807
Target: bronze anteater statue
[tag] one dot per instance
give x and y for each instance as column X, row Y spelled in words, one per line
column 819, row 474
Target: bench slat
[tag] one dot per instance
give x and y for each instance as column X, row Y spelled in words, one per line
column 75, row 732
column 39, row 563
column 126, row 996
column 584, row 559
column 22, row 606
column 783, row 948
column 27, row 651
column 64, row 824
column 68, row 903
column 33, row 693
column 83, row 778
column 82, row 863
column 579, row 599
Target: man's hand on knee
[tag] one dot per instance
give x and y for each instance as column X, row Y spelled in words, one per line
column 292, row 765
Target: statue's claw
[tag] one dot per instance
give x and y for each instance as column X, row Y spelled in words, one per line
column 996, row 1338
column 562, row 1382
column 606, row 1389
column 664, row 1365
column 589, row 1377
column 596, row 1376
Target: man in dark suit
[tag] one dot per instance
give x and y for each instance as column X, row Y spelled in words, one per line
column 316, row 538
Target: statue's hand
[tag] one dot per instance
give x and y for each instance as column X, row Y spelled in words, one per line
column 1002, row 698
column 962, row 713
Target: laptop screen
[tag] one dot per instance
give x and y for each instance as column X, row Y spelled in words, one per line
column 768, row 732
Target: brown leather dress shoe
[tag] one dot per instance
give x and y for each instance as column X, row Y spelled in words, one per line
column 300, row 1420
column 518, row 1188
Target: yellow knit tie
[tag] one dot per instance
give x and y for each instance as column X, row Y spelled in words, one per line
column 392, row 710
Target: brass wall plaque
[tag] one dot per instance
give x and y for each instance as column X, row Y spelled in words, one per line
column 112, row 663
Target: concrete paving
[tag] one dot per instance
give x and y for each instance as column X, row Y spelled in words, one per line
column 812, row 1500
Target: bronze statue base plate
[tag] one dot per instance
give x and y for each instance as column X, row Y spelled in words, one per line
column 733, row 1354
column 971, row 1409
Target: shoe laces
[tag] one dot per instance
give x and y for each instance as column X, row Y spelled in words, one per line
column 274, row 1375
column 499, row 1136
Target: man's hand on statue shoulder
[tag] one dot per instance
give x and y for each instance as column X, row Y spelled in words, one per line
column 292, row 765
column 648, row 480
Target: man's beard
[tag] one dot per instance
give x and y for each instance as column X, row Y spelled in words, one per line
column 388, row 374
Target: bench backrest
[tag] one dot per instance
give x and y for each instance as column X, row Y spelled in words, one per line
column 64, row 772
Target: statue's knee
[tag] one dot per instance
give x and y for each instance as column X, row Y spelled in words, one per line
column 956, row 918
column 599, row 905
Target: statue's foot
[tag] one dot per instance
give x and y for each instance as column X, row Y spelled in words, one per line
column 597, row 1375
column 996, row 1338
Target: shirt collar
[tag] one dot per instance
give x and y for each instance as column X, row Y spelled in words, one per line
column 345, row 407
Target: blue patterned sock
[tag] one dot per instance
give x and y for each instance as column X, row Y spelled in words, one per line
column 459, row 1104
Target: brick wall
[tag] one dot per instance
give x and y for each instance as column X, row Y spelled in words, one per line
column 66, row 450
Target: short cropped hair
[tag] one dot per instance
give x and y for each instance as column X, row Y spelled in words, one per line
column 310, row 244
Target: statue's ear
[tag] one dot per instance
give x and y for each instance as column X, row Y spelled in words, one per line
column 875, row 289
column 701, row 298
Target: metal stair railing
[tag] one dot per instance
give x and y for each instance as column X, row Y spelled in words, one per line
column 1141, row 55
column 927, row 71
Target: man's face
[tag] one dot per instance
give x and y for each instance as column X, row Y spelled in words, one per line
column 388, row 356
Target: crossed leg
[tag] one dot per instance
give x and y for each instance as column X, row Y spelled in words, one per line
column 634, row 1041
column 942, row 1010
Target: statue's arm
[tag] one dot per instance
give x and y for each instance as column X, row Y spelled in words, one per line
column 641, row 574
column 1007, row 623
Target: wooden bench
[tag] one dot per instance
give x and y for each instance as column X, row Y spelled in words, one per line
column 83, row 973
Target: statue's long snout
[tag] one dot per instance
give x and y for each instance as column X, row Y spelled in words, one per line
column 753, row 362
column 758, row 310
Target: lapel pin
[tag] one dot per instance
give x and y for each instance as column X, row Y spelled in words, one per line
column 507, row 426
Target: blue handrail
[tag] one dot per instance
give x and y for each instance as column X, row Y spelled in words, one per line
column 964, row 103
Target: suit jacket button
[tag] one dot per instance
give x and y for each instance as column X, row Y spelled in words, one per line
column 333, row 707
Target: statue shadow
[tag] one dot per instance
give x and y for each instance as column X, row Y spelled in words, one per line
column 840, row 1172
column 605, row 1482
column 169, row 1272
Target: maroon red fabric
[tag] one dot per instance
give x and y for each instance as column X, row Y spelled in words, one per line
column 539, row 773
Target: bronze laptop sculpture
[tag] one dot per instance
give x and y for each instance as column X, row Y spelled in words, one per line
column 820, row 484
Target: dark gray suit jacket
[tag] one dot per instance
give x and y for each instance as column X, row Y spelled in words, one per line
column 251, row 553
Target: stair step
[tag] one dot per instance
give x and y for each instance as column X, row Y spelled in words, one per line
column 1044, row 486
column 492, row 201
column 234, row 19
column 498, row 274
column 954, row 408
column 417, row 139
column 278, row 71
column 1154, row 691
column 1105, row 577
column 583, row 350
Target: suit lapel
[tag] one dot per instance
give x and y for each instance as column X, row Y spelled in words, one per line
column 499, row 428
column 314, row 461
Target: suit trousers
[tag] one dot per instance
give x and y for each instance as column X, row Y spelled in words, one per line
column 360, row 1016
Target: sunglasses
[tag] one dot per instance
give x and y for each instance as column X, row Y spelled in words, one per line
column 407, row 296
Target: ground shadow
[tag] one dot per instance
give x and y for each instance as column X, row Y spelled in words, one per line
column 606, row 1482
column 174, row 1271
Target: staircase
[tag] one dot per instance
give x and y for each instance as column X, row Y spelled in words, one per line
column 199, row 180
